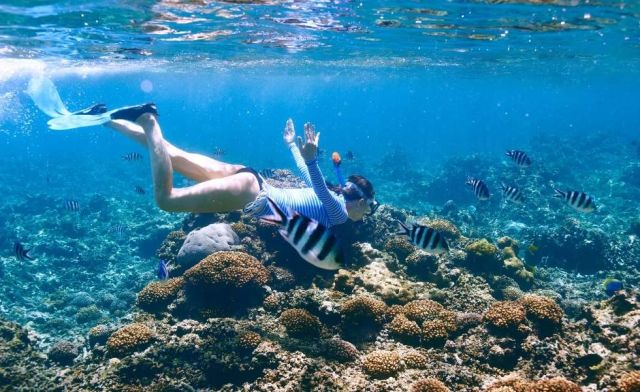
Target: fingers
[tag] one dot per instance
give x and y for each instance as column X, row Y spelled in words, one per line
column 289, row 127
column 310, row 132
column 317, row 138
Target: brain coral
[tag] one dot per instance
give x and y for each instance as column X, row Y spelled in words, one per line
column 630, row 382
column 382, row 364
column 541, row 308
column 429, row 385
column 128, row 339
column 157, row 295
column 505, row 315
column 225, row 278
column 300, row 323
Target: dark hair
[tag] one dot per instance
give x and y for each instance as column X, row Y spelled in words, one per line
column 365, row 186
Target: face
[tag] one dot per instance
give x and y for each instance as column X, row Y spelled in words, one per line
column 356, row 209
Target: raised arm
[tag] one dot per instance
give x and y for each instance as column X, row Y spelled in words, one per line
column 331, row 203
column 290, row 140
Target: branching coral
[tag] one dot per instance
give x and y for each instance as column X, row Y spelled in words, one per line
column 157, row 295
column 404, row 330
column 382, row 364
column 300, row 323
column 128, row 339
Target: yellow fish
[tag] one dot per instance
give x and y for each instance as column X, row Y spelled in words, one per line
column 532, row 248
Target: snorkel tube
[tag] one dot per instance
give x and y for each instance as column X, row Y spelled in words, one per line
column 335, row 157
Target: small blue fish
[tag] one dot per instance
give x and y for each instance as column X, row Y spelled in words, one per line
column 613, row 286
column 21, row 253
column 163, row 270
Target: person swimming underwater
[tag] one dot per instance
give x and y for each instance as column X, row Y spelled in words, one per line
column 220, row 187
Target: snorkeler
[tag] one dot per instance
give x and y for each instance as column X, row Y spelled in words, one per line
column 221, row 187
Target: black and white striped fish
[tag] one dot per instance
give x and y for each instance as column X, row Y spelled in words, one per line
column 519, row 157
column 426, row 238
column 480, row 189
column 313, row 242
column 72, row 205
column 21, row 253
column 579, row 201
column 132, row 156
column 139, row 190
column 118, row 229
column 512, row 194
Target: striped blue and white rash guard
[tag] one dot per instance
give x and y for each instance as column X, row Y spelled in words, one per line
column 316, row 202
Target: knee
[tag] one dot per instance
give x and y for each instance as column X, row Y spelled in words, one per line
column 146, row 120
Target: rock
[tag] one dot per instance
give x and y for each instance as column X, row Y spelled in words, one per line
column 203, row 242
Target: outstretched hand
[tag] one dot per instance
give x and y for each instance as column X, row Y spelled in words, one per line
column 309, row 150
column 289, row 135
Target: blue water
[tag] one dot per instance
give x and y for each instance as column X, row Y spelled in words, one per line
column 423, row 94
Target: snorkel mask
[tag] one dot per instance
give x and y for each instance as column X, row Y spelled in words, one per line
column 371, row 202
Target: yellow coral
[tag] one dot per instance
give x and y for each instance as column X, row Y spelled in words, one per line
column 505, row 315
column 128, row 339
column 382, row 364
column 517, row 269
column 543, row 309
column 508, row 242
column 300, row 323
column 157, row 295
column 630, row 382
column 429, row 385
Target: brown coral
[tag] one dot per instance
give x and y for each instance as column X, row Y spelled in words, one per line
column 363, row 311
column 382, row 364
column 443, row 226
column 542, row 309
column 248, row 340
column 128, row 339
column 227, row 279
column 157, row 295
column 400, row 246
column 429, row 385
column 414, row 360
column 482, row 256
column 554, row 385
column 505, row 315
column 300, row 323
column 630, row 382
column 340, row 350
column 169, row 248
column 404, row 330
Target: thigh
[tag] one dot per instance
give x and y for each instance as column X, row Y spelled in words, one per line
column 218, row 195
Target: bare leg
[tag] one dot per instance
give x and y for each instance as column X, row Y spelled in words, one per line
column 194, row 166
column 217, row 195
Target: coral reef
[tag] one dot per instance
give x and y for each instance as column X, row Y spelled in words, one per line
column 157, row 295
column 226, row 280
column 248, row 340
column 300, row 323
column 168, row 250
column 505, row 315
column 362, row 317
column 429, row 385
column 202, row 242
column 130, row 338
column 63, row 352
column 629, row 382
column 382, row 364
column 340, row 350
